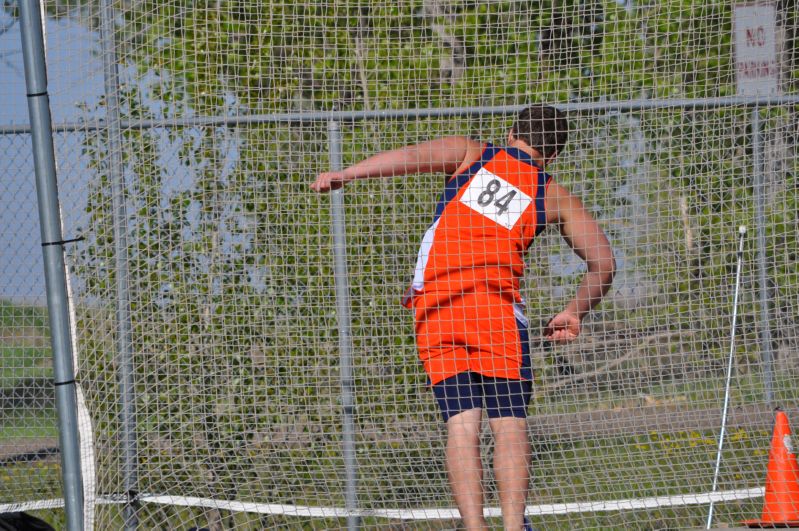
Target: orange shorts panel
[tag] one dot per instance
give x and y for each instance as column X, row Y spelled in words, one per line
column 474, row 331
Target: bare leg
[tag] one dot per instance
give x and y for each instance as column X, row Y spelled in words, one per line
column 511, row 468
column 465, row 468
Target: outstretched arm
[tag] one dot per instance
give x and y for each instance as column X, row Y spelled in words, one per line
column 443, row 155
column 586, row 238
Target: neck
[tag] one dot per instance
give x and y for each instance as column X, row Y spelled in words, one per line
column 534, row 153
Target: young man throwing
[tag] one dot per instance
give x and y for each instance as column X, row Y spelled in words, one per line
column 471, row 330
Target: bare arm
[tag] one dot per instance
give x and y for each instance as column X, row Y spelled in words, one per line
column 443, row 155
column 586, row 238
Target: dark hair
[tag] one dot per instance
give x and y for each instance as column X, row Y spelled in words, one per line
column 543, row 128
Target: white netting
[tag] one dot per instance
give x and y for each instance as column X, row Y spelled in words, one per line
column 234, row 323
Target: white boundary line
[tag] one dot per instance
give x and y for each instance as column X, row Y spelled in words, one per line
column 55, row 503
column 31, row 506
column 450, row 513
column 443, row 513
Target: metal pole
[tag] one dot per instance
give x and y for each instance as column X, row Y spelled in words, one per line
column 393, row 114
column 344, row 330
column 54, row 267
column 127, row 414
column 725, row 408
column 762, row 265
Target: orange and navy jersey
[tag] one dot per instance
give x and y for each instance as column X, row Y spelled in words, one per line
column 484, row 222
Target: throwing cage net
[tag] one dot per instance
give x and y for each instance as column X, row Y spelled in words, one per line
column 238, row 377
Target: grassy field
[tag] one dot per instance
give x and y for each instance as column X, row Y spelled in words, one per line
column 26, row 393
column 19, row 315
column 28, row 427
column 565, row 469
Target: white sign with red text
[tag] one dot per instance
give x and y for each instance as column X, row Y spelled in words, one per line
column 756, row 67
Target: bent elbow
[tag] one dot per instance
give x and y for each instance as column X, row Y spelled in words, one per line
column 605, row 268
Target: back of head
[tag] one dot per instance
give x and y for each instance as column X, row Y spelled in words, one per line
column 543, row 128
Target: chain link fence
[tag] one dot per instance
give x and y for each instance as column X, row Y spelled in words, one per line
column 251, row 391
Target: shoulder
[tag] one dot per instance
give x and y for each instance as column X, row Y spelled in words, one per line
column 469, row 149
column 561, row 204
column 455, row 144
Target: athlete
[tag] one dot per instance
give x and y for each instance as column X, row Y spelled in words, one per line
column 471, row 330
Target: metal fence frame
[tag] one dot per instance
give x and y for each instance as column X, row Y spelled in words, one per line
column 41, row 130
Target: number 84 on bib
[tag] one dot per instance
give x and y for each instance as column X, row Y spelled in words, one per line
column 495, row 198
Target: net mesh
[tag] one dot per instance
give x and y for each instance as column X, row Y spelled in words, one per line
column 234, row 317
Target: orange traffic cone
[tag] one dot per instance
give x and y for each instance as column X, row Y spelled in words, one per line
column 781, row 504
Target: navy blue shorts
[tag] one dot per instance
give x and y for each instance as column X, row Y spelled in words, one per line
column 500, row 397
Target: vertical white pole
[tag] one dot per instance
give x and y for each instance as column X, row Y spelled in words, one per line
column 725, row 408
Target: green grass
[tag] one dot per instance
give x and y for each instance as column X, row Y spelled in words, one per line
column 24, row 347
column 654, row 464
column 745, row 388
column 19, row 315
column 42, row 478
column 26, row 372
column 24, row 362
column 28, row 424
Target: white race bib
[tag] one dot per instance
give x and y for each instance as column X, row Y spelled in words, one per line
column 495, row 198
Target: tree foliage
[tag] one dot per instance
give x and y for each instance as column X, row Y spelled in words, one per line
column 353, row 55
